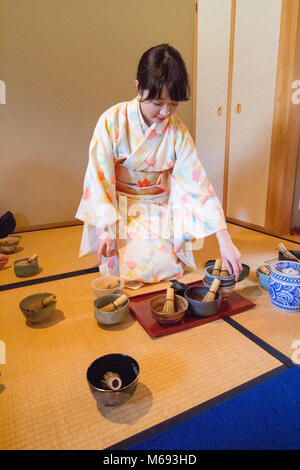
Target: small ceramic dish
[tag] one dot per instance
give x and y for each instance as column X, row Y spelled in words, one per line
column 40, row 315
column 9, row 244
column 100, row 284
column 197, row 307
column 125, row 367
column 109, row 318
column 156, row 306
column 24, row 270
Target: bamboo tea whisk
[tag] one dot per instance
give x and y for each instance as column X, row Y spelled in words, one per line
column 169, row 303
column 217, row 267
column 223, row 272
column 115, row 304
column 211, row 294
column 287, row 253
column 32, row 258
column 43, row 303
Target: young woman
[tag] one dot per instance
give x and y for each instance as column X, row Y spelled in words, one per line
column 146, row 194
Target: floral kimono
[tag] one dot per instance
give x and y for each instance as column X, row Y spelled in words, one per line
column 120, row 194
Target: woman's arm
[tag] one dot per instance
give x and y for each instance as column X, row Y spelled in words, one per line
column 229, row 253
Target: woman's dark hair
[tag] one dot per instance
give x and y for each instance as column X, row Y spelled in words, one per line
column 163, row 65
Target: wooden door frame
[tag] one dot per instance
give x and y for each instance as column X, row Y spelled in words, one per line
column 286, row 125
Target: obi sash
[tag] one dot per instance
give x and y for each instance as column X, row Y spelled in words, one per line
column 136, row 182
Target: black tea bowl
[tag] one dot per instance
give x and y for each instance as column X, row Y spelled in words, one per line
column 125, row 366
column 199, row 308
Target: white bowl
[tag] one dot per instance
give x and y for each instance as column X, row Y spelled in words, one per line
column 99, row 283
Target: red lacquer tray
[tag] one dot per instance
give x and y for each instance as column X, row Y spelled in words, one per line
column 139, row 307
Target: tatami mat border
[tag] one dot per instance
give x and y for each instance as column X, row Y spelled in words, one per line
column 196, row 410
column 261, row 343
column 54, row 277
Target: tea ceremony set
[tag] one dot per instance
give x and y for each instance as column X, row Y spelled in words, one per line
column 87, row 363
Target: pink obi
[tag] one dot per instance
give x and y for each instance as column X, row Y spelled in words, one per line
column 136, row 182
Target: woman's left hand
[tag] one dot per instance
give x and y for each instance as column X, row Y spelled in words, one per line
column 229, row 253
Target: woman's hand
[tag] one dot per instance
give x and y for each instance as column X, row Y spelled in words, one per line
column 164, row 182
column 229, row 253
column 3, row 260
column 105, row 246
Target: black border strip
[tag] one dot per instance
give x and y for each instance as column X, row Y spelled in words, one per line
column 261, row 343
column 54, row 277
column 190, row 413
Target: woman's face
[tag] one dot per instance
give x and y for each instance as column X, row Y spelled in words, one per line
column 158, row 109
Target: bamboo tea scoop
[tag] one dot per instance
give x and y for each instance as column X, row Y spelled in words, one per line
column 169, row 303
column 43, row 303
column 111, row 380
column 115, row 304
column 287, row 253
column 211, row 294
column 217, row 267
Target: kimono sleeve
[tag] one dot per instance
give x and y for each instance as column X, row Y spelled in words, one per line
column 197, row 211
column 97, row 208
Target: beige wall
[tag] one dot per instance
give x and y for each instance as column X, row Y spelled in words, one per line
column 63, row 63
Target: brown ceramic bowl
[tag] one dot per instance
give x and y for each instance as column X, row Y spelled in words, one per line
column 157, row 304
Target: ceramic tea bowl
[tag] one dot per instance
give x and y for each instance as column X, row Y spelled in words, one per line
column 243, row 275
column 36, row 316
column 227, row 283
column 157, row 305
column 9, row 244
column 22, row 270
column 125, row 366
column 197, row 307
column 100, row 284
column 263, row 278
column 284, row 286
column 109, row 318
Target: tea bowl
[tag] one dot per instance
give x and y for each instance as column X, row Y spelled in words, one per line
column 22, row 270
column 284, row 286
column 9, row 244
column 36, row 316
column 127, row 369
column 98, row 285
column 243, row 275
column 227, row 283
column 157, row 304
column 263, row 278
column 109, row 318
column 199, row 308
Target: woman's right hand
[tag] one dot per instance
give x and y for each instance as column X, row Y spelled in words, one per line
column 105, row 246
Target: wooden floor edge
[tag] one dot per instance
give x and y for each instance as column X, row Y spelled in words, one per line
column 32, row 228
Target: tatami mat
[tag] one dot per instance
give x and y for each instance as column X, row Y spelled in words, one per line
column 45, row 399
column 58, row 251
column 278, row 328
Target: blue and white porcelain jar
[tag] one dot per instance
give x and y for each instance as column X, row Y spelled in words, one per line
column 284, row 286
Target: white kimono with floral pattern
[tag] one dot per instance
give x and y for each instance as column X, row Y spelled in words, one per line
column 146, row 226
